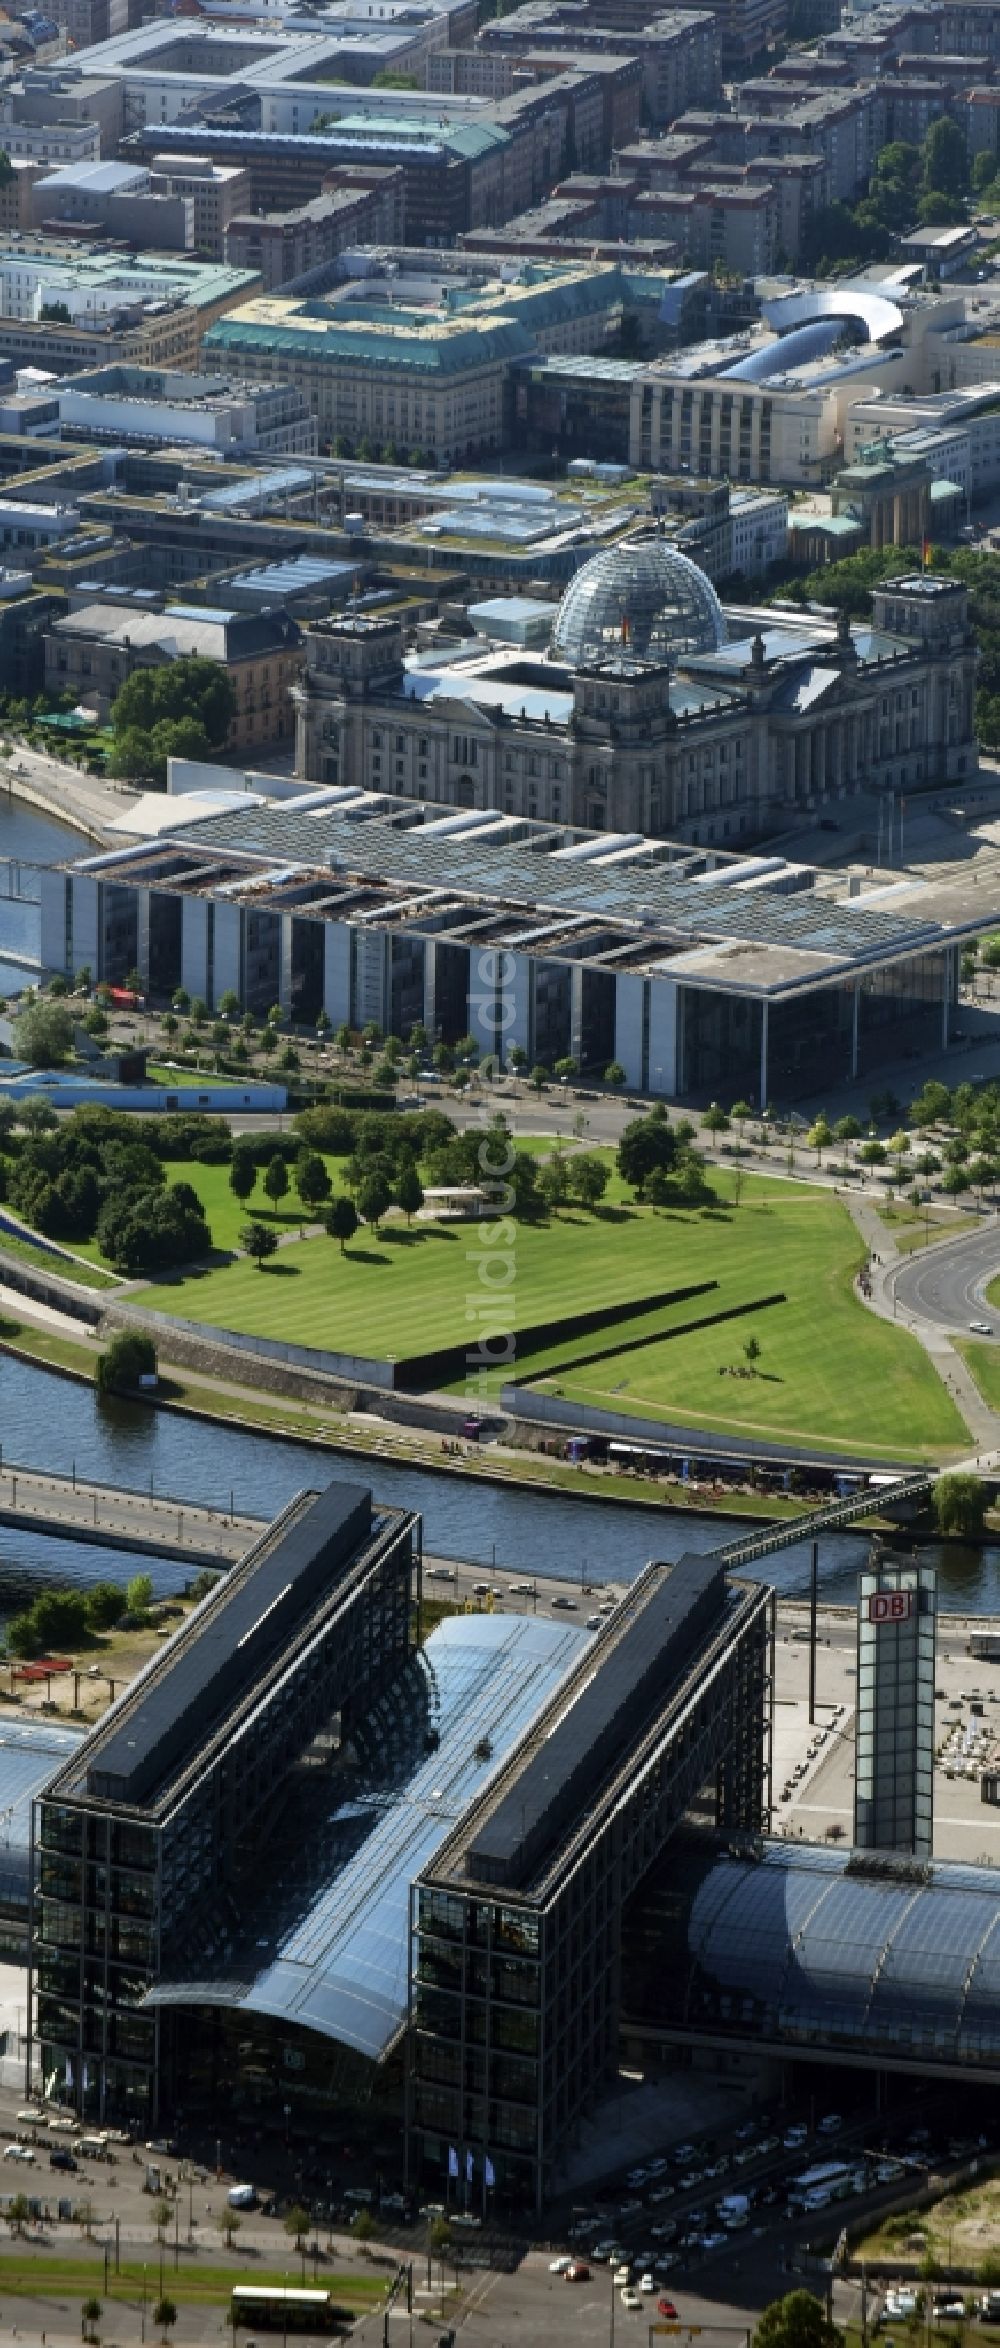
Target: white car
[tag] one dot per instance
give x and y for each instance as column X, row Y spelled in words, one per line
column 558, row 2266
column 830, row 2123
column 18, row 2152
column 631, row 2301
column 646, row 2284
column 622, row 2275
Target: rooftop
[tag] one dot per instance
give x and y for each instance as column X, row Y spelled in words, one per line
column 225, row 1648
column 324, row 1939
column 867, row 1952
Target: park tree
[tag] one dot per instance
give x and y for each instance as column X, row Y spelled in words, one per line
column 647, row 1145
column 362, row 2225
column 259, row 1241
column 374, row 1196
column 276, row 1180
column 342, row 1220
column 229, row 2224
column 958, row 1503
column 139, row 1594
column 165, row 2314
column 945, row 158
column 553, row 1180
column 847, row 1129
column 242, row 1172
column 128, row 1357
column 182, row 709
column 43, row 1034
column 106, row 1603
column 37, row 1114
column 740, row 1112
column 229, row 1004
column 297, row 2224
column 312, row 1180
column 164, row 2213
column 714, row 1119
column 588, row 1180
column 90, row 2316
column 18, row 2213
column 819, row 1137
column 797, row 2321
column 409, row 1192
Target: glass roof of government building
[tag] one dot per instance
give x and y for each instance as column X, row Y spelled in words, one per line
column 320, row 1937
column 643, row 896
column 815, row 1946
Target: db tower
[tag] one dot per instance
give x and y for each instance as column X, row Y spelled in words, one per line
column 894, row 1763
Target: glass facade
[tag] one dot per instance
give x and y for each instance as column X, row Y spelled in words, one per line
column 894, row 1730
column 641, row 595
column 117, row 1886
column 814, row 1950
column 515, row 1997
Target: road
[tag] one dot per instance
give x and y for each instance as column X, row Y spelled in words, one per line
column 157, row 1525
column 945, row 1286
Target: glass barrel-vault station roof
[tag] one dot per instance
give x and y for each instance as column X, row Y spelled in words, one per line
column 823, row 1948
column 325, row 1925
column 643, row 594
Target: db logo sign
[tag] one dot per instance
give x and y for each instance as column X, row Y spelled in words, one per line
column 890, row 1606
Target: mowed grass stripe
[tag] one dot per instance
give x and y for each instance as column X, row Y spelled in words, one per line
column 26, row 2275
column 833, row 1374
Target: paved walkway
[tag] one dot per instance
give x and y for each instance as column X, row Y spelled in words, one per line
column 885, row 1259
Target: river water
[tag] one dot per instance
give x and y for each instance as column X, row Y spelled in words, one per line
column 52, row 1421
column 48, row 1421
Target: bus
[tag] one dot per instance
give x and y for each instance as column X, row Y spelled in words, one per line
column 832, row 2180
column 276, row 2309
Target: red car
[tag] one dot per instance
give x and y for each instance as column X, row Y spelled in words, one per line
column 579, row 2272
column 666, row 2307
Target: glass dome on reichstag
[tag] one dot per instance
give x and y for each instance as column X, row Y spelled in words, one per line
column 642, row 597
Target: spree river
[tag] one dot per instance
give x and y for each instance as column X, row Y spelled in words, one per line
column 49, row 1421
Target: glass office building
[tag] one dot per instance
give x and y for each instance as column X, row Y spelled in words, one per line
column 137, row 1835
column 517, row 1923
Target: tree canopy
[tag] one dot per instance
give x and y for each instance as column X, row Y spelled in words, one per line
column 182, row 709
column 797, row 2321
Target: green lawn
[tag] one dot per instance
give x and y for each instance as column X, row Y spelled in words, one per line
column 983, row 1360
column 829, row 1371
column 28, row 2274
column 911, row 1228
column 89, row 1275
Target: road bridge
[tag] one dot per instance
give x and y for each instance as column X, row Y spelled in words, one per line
column 154, row 1524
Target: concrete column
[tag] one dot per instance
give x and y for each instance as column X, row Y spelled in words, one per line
column 56, row 939
column 764, row 1011
column 228, row 971
column 337, row 972
column 663, row 1016
column 194, row 946
column 576, row 1013
column 142, row 936
column 428, row 987
column 855, row 1028
column 87, row 924
column 628, row 1027
column 518, row 1028
column 285, row 966
column 819, row 760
